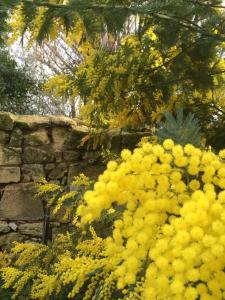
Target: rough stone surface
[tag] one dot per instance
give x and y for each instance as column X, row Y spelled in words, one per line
column 115, row 142
column 13, row 226
column 32, row 229
column 58, row 171
column 16, row 138
column 6, row 121
column 90, row 171
column 32, row 172
column 49, row 167
column 4, row 227
column 9, row 174
column 10, row 156
column 18, row 203
column 37, row 138
column 45, row 146
column 58, row 156
column 59, row 137
column 4, row 137
column 33, row 155
column 31, row 121
column 91, row 157
column 63, row 121
column 71, row 156
column 73, row 140
column 6, row 240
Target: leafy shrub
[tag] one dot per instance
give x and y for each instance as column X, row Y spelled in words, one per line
column 167, row 243
column 64, row 199
column 4, row 261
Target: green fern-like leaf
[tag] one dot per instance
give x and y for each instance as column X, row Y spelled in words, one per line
column 182, row 130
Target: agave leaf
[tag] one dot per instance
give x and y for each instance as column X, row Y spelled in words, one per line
column 180, row 117
column 171, row 122
column 181, row 130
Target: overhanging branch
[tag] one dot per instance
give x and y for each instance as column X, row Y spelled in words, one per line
column 136, row 10
column 196, row 2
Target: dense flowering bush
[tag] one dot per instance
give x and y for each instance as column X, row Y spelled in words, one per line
column 168, row 243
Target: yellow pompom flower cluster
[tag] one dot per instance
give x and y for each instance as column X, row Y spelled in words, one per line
column 168, row 239
column 172, row 228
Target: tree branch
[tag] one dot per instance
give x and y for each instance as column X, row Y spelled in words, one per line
column 141, row 10
column 46, row 4
column 205, row 4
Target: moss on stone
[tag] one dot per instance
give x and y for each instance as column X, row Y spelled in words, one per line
column 6, row 121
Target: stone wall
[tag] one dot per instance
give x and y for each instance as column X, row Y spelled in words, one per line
column 32, row 147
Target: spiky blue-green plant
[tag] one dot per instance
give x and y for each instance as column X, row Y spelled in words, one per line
column 182, row 130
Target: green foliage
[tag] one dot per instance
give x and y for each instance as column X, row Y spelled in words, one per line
column 5, row 294
column 110, row 16
column 145, row 76
column 64, row 199
column 3, row 25
column 182, row 130
column 15, row 83
column 17, row 87
column 139, row 58
column 108, row 155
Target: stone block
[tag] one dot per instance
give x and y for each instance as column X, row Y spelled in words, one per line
column 33, row 155
column 59, row 137
column 4, row 137
column 32, row 172
column 58, row 171
column 16, row 138
column 4, row 227
column 31, row 121
column 32, row 229
column 49, row 167
column 10, row 156
column 9, row 174
column 58, row 156
column 6, row 121
column 91, row 157
column 91, row 171
column 63, row 121
column 37, row 138
column 13, row 226
column 18, row 203
column 71, row 156
column 74, row 139
column 6, row 240
column 116, row 143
